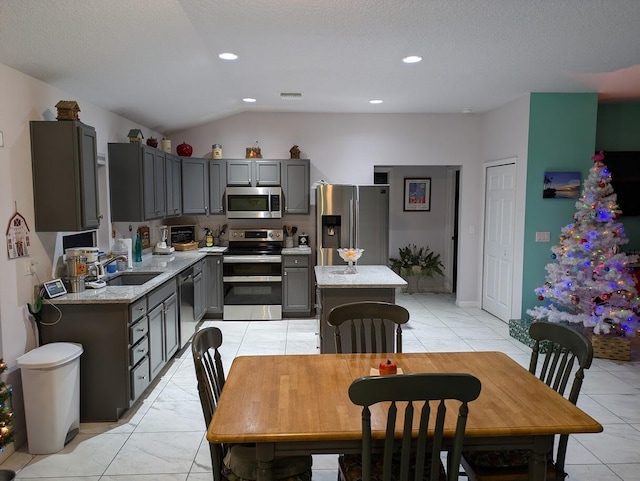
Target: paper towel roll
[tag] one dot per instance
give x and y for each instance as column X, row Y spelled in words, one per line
column 127, row 242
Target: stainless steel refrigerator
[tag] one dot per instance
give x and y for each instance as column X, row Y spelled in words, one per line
column 352, row 216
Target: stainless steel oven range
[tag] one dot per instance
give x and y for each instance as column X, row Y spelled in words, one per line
column 252, row 275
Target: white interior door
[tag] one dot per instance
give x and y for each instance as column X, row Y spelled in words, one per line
column 497, row 277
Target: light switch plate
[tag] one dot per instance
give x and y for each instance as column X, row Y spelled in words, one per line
column 1, row 139
column 542, row 236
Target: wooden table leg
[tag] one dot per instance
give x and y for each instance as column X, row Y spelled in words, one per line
column 265, row 453
column 538, row 458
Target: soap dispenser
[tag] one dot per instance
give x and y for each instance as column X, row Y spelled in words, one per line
column 209, row 238
column 137, row 256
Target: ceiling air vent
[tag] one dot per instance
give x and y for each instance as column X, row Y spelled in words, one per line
column 290, row 95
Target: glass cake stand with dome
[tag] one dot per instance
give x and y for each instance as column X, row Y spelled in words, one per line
column 350, row 256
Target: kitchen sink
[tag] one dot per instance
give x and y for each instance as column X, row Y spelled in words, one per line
column 131, row 278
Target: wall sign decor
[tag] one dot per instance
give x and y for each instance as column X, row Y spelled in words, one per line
column 561, row 185
column 417, row 194
column 18, row 242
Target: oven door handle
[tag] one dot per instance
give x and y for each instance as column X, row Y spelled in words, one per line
column 252, row 259
column 252, row 279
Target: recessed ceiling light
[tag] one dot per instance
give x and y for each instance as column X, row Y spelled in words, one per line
column 412, row 59
column 468, row 110
column 228, row 56
column 249, row 100
column 375, row 101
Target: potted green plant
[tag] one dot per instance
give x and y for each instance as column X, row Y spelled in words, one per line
column 417, row 261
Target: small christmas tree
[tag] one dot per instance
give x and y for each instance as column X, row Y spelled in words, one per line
column 6, row 414
column 589, row 282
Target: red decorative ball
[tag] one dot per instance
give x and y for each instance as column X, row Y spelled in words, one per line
column 601, row 185
column 184, row 150
column 583, row 241
column 541, row 298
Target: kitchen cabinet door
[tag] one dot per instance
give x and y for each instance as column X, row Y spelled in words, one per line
column 295, row 186
column 173, row 175
column 171, row 327
column 195, row 186
column 296, row 293
column 253, row 173
column 137, row 183
column 155, row 196
column 213, row 285
column 156, row 342
column 217, row 184
column 65, row 181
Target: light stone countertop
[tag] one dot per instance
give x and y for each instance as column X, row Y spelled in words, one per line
column 365, row 277
column 167, row 266
column 292, row 251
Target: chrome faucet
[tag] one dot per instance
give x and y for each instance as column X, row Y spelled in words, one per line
column 113, row 259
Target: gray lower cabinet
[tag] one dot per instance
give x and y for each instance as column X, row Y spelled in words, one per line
column 65, row 181
column 163, row 326
column 173, row 175
column 250, row 172
column 137, row 182
column 296, row 293
column 295, row 186
column 213, row 284
column 199, row 294
column 120, row 347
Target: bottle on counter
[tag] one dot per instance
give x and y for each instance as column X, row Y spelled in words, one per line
column 137, row 256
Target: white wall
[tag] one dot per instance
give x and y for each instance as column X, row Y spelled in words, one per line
column 344, row 148
column 505, row 136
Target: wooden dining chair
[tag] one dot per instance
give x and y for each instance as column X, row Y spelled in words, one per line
column 233, row 462
column 398, row 452
column 568, row 354
column 369, row 325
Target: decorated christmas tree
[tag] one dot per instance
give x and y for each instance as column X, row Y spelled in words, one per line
column 589, row 281
column 6, row 414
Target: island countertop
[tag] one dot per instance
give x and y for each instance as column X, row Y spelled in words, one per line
column 365, row 277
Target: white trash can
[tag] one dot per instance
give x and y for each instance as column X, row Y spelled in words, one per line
column 51, row 387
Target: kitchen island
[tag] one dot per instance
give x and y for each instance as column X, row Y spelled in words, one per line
column 334, row 287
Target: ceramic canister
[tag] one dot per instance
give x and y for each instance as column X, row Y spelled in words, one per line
column 217, row 151
column 166, row 145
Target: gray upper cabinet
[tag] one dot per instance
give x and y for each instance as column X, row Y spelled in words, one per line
column 252, row 172
column 173, row 166
column 217, row 184
column 137, row 182
column 65, row 183
column 195, row 186
column 295, row 186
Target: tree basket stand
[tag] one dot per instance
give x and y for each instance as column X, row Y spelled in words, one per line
column 617, row 348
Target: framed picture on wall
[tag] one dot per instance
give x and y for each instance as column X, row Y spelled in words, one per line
column 417, row 194
column 561, row 185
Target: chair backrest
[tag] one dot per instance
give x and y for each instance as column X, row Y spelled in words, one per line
column 404, row 391
column 210, row 375
column 369, row 326
column 566, row 349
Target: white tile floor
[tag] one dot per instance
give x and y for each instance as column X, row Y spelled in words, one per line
column 163, row 438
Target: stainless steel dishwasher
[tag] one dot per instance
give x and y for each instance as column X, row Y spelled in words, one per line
column 187, row 306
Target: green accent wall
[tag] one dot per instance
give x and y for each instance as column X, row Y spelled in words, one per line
column 562, row 137
column 619, row 129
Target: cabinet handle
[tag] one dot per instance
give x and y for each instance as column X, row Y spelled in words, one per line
column 141, row 350
column 140, row 329
column 141, row 309
column 143, row 377
column 295, row 261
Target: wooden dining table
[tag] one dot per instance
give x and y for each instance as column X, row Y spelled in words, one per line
column 299, row 404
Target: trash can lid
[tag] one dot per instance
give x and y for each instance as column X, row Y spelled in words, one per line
column 50, row 355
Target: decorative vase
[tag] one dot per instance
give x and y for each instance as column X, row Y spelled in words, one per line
column 350, row 269
column 184, row 150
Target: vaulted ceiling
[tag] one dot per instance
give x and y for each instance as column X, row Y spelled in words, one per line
column 156, row 61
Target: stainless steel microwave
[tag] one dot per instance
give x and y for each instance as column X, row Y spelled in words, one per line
column 254, row 202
